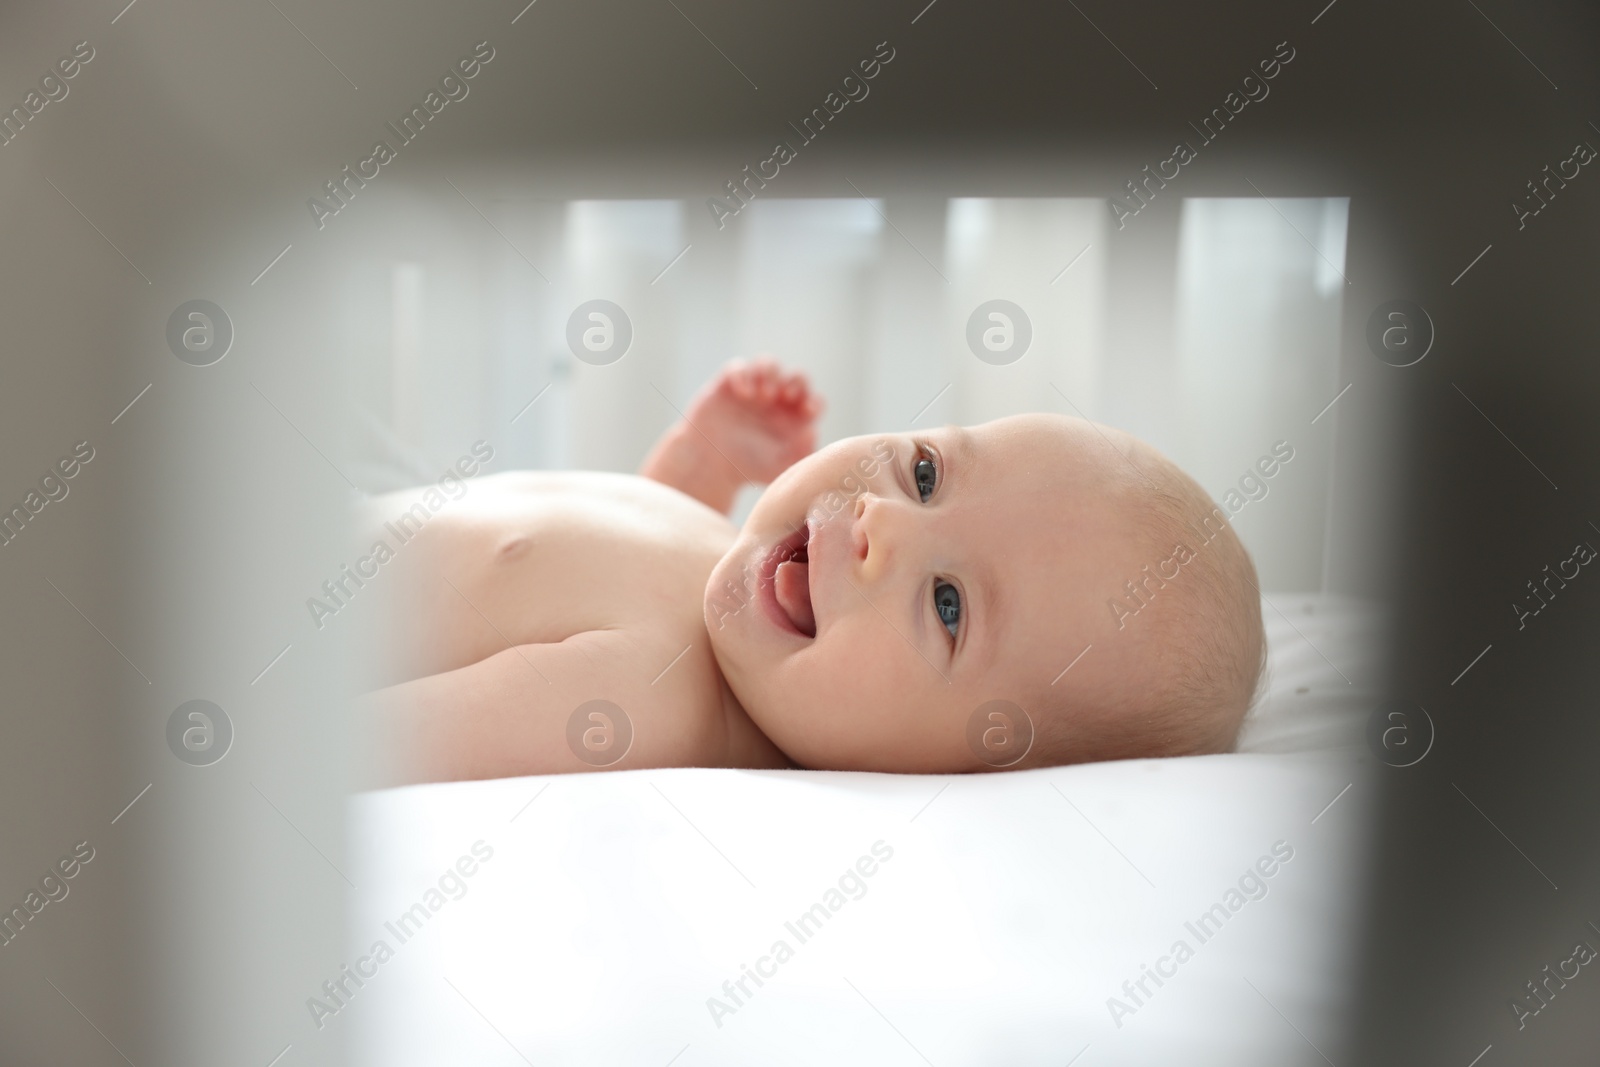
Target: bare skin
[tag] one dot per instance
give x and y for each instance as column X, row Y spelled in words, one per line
column 881, row 593
column 536, row 592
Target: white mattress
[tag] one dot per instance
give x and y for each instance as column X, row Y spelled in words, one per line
column 1013, row 905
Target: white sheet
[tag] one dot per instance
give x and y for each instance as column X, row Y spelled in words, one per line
column 1013, row 907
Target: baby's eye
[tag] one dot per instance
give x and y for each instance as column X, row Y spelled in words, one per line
column 947, row 602
column 926, row 475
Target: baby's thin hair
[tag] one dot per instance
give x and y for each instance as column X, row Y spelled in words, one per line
column 1207, row 667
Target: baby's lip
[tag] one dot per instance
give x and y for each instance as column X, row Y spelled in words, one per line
column 785, row 593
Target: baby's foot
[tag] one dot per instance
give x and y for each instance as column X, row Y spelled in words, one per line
column 758, row 418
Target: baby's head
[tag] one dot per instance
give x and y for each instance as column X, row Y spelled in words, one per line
column 888, row 586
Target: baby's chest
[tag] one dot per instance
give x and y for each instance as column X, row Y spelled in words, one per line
column 537, row 559
column 569, row 578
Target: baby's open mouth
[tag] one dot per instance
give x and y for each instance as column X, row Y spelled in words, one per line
column 791, row 582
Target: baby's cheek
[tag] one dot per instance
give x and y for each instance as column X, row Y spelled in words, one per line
column 858, row 658
column 877, row 675
column 844, row 653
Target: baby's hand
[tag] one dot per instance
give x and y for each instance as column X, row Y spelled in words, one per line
column 758, row 418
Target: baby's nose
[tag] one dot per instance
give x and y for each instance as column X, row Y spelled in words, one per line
column 859, row 541
column 877, row 534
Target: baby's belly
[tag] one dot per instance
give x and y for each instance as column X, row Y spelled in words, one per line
column 533, row 557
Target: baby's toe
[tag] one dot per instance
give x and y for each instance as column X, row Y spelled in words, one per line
column 765, row 369
column 740, row 379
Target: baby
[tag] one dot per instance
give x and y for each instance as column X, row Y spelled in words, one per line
column 1034, row 591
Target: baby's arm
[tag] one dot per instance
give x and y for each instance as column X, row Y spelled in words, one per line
column 745, row 427
column 686, row 460
column 507, row 715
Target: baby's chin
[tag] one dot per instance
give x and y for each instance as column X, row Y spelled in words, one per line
column 719, row 570
column 730, row 610
column 731, row 568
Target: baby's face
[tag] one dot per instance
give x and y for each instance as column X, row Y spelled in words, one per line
column 941, row 570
